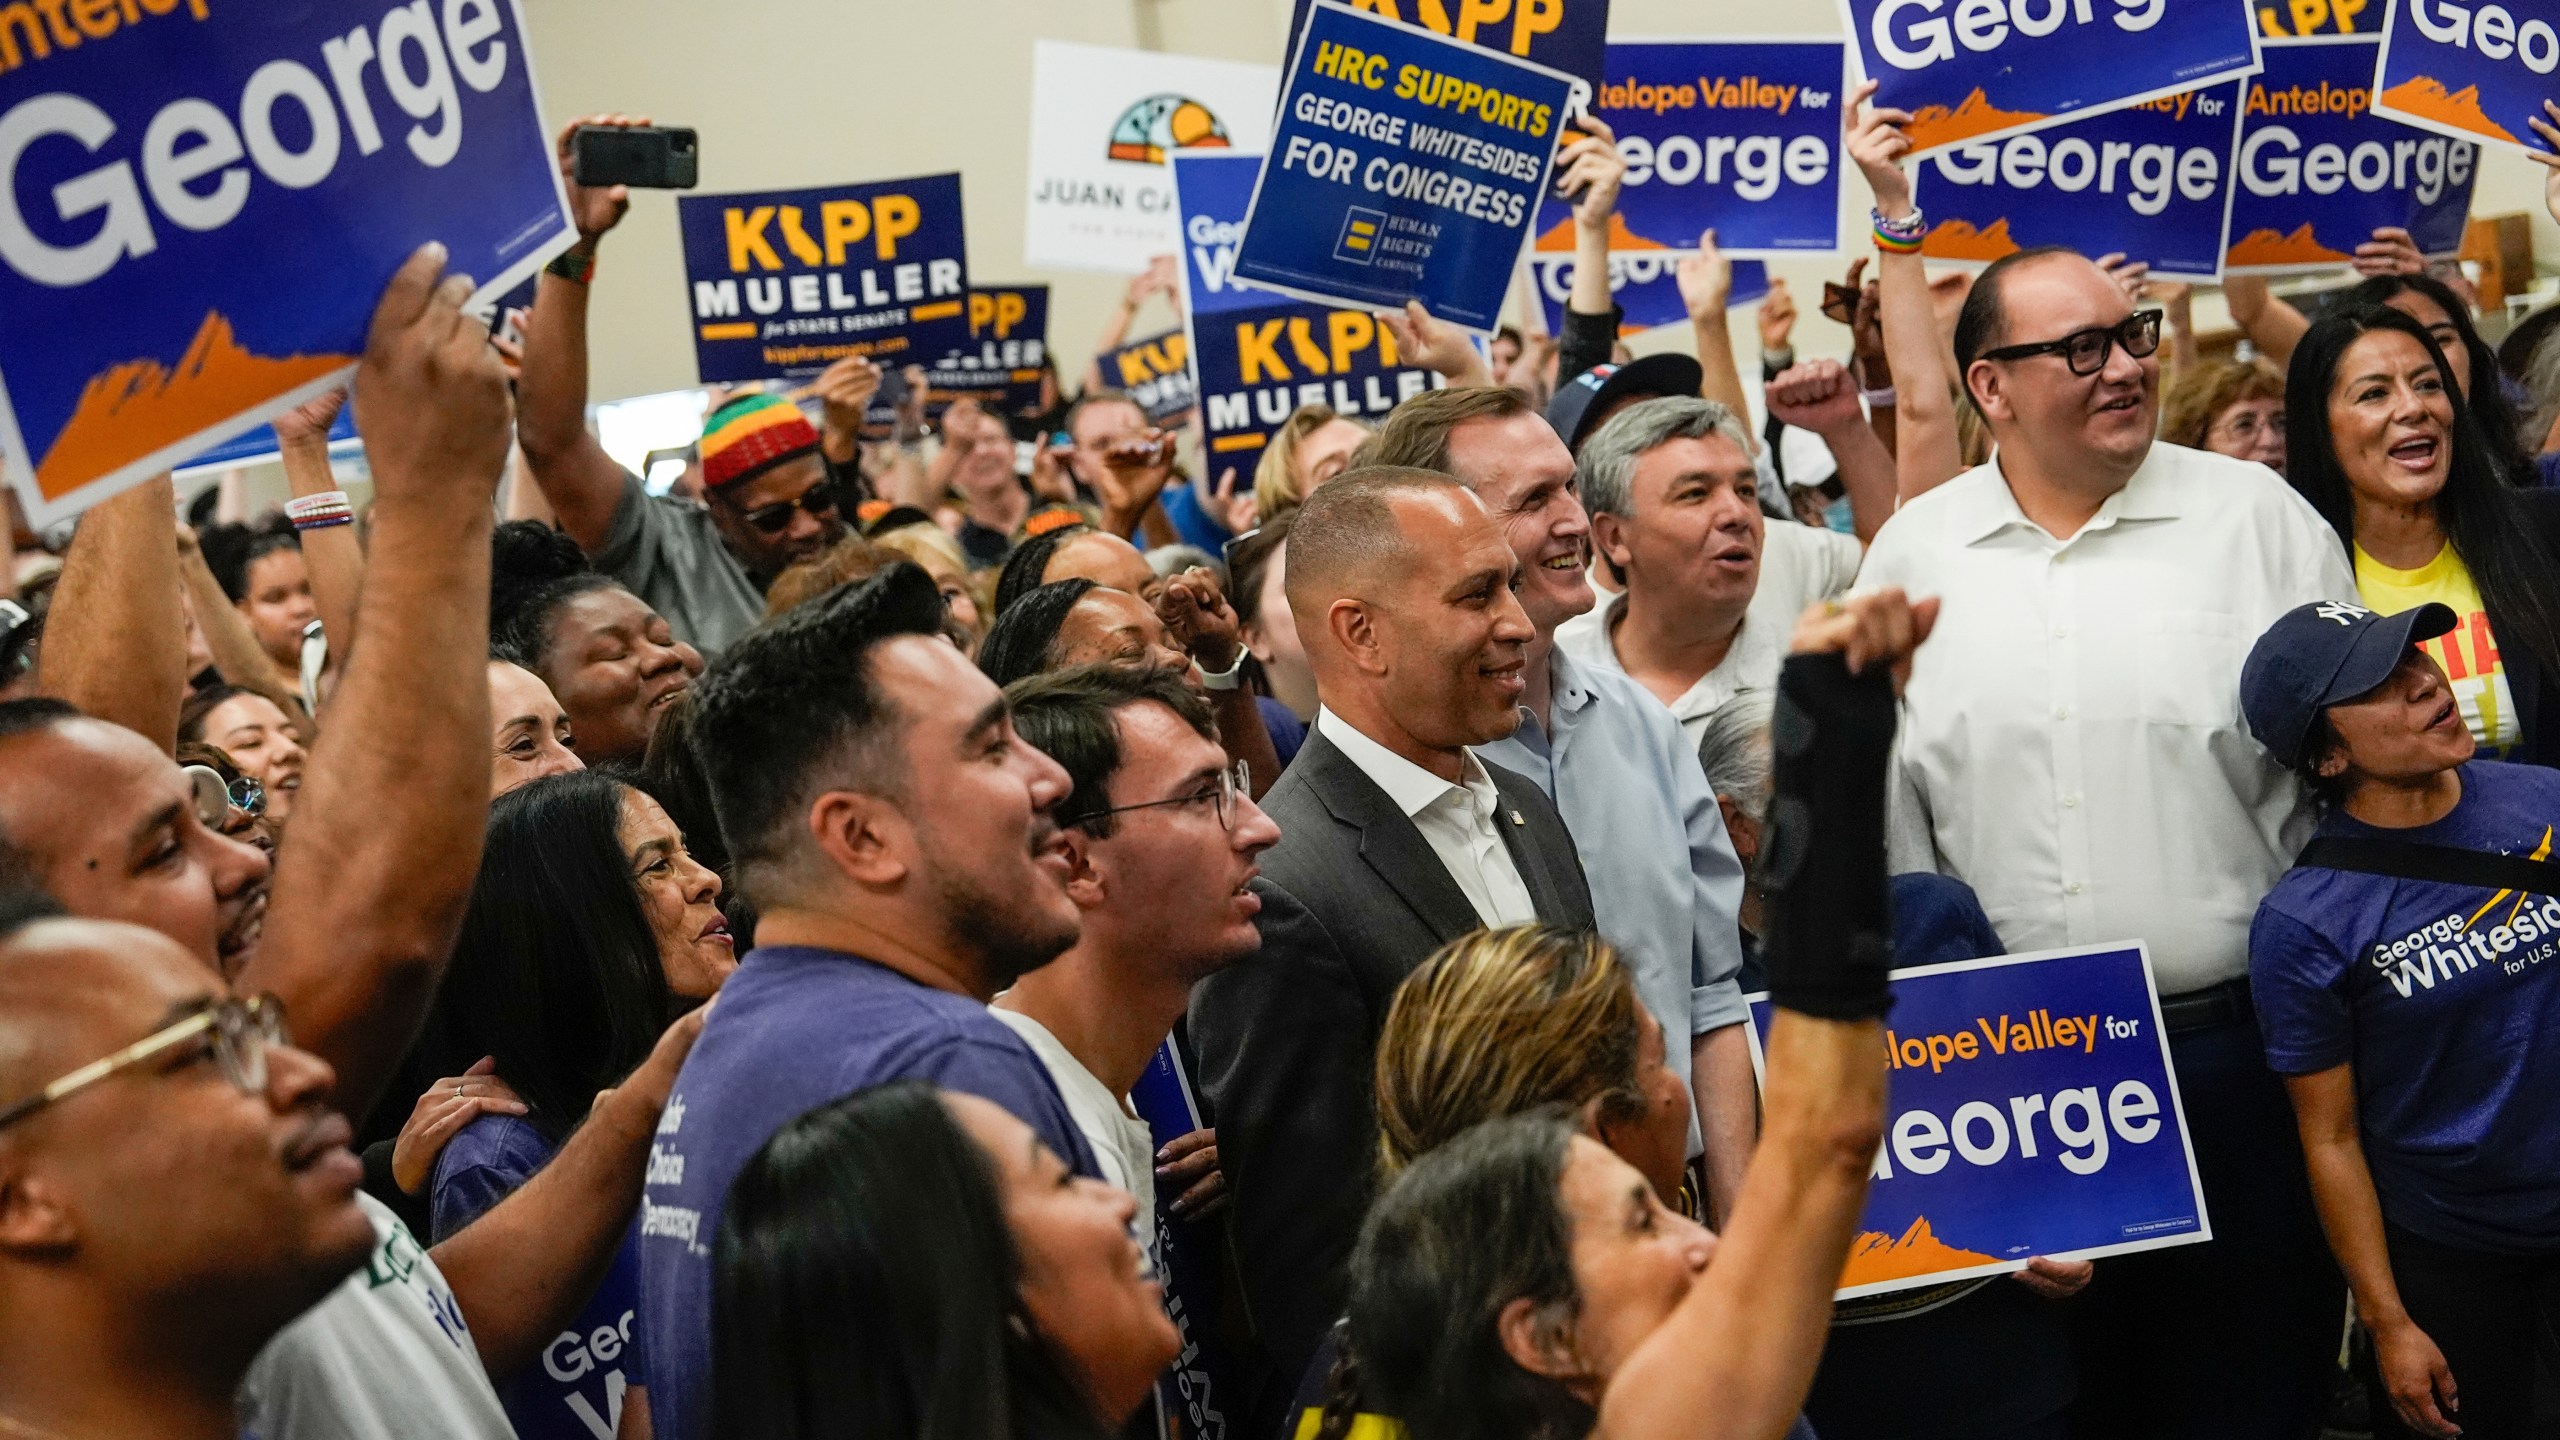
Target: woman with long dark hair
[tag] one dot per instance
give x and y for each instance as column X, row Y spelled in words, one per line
column 590, row 930
column 912, row 1264
column 2380, row 441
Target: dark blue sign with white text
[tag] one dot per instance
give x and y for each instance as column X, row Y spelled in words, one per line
column 2151, row 182
column 201, row 203
column 1975, row 69
column 785, row 283
column 2032, row 1110
column 2472, row 71
column 1566, row 35
column 1645, row 285
column 1405, row 167
column 1741, row 136
column 2319, row 172
column 1196, row 1390
column 1008, row 343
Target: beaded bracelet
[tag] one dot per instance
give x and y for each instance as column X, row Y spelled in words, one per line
column 1899, row 237
column 321, row 511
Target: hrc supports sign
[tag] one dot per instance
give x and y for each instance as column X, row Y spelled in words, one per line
column 2032, row 1110
column 2319, row 172
column 1980, row 69
column 785, row 283
column 1257, row 356
column 1567, row 35
column 200, row 204
column 2151, row 181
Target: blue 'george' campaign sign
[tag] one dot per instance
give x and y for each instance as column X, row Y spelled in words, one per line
column 200, row 204
column 784, row 283
column 2319, row 172
column 1742, row 136
column 1197, row 1390
column 1645, row 284
column 1975, row 69
column 1406, row 166
column 2031, row 1110
column 2151, row 181
column 1257, row 356
column 2472, row 71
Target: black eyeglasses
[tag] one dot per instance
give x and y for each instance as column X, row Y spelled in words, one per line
column 1233, row 781
column 2085, row 351
column 241, row 1031
column 820, row 500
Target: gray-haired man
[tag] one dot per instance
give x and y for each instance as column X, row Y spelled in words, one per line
column 1713, row 587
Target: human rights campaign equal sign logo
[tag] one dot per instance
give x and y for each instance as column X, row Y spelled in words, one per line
column 2032, row 1111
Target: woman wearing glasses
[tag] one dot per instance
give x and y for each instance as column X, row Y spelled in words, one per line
column 590, row 931
column 612, row 661
column 2230, row 407
column 2385, row 446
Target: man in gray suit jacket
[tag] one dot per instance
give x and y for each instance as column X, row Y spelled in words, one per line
column 1395, row 840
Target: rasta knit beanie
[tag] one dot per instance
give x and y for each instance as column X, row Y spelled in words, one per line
column 751, row 435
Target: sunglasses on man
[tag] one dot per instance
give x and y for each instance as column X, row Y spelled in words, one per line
column 2086, row 351
column 820, row 500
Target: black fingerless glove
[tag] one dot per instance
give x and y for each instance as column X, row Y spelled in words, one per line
column 1830, row 923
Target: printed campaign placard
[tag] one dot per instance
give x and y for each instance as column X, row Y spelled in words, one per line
column 2278, row 19
column 1008, row 343
column 1567, row 35
column 2319, row 172
column 2151, row 181
column 1196, row 1392
column 2031, row 1110
column 1406, row 166
column 1103, row 122
column 784, row 283
column 2471, row 71
column 1155, row 372
column 1739, row 135
column 1256, row 356
column 200, row 205
column 1646, row 285
column 1980, row 69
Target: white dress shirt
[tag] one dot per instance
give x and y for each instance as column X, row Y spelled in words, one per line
column 2072, row 745
column 1798, row 565
column 1457, row 821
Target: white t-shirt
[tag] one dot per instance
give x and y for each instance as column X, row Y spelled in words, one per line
column 1122, row 1146
column 386, row 1356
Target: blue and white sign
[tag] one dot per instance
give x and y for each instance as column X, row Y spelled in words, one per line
column 1567, row 35
column 784, row 283
column 1980, row 69
column 1008, row 345
column 1197, row 1392
column 1155, row 372
column 1738, row 136
column 200, row 205
column 1257, row 356
column 1406, row 166
column 2032, row 1110
column 1645, row 284
column 2319, row 172
column 2151, row 181
column 2468, row 70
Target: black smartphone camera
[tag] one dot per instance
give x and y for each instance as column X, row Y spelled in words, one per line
column 647, row 157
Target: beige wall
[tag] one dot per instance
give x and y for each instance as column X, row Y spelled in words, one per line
column 806, row 92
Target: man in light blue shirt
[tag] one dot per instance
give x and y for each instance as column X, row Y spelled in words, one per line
column 1665, row 883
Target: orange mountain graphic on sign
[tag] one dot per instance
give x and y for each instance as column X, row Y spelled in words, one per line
column 2266, row 247
column 2424, row 97
column 1875, row 1256
column 1620, row 237
column 1958, row 240
column 141, row 406
column 1935, row 125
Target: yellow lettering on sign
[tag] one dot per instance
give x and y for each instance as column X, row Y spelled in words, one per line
column 746, row 239
column 1258, row 351
column 844, row 223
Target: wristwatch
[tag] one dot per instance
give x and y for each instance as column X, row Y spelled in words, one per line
column 1231, row 678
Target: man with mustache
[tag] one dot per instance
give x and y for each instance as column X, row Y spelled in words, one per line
column 2072, row 747
column 900, row 844
column 1395, row 839
column 371, row 880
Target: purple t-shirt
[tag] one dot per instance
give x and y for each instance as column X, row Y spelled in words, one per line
column 794, row 1029
column 573, row 1389
column 2446, row 999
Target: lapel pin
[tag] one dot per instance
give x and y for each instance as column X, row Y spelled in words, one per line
column 1516, row 820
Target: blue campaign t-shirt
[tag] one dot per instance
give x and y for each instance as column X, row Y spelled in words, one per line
column 2446, row 999
column 796, row 1028
column 573, row 1390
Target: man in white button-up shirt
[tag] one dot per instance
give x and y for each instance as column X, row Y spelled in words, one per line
column 2072, row 748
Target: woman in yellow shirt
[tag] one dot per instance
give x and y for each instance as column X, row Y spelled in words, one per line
column 2387, row 449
